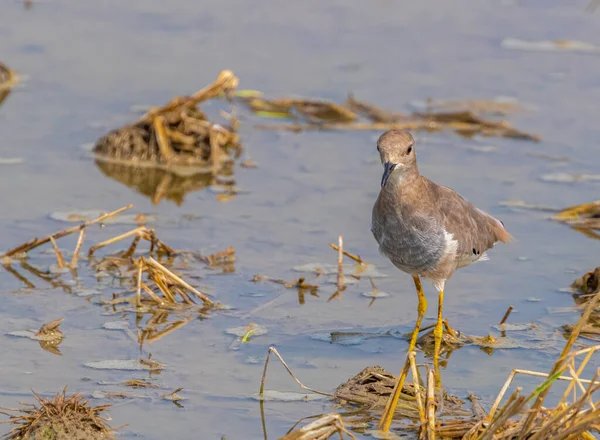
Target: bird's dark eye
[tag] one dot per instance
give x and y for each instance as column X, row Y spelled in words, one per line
column 409, row 150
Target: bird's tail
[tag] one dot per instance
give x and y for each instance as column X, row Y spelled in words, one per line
column 500, row 232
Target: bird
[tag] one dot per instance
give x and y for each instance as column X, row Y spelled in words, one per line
column 426, row 230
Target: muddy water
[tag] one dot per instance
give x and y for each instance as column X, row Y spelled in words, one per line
column 86, row 64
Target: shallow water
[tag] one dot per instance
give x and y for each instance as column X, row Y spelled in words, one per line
column 86, row 64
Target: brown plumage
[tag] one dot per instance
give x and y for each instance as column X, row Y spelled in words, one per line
column 424, row 228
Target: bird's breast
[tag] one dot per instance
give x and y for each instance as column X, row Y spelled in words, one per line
column 412, row 245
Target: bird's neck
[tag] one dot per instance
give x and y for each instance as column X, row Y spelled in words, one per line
column 402, row 176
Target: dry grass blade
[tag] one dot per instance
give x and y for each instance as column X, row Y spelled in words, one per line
column 430, row 419
column 226, row 81
column 60, row 261
column 264, row 375
column 577, row 214
column 151, row 262
column 321, row 429
column 348, row 254
column 560, row 363
column 415, row 374
column 340, row 271
column 75, row 259
column 139, row 232
column 32, row 244
column 506, row 315
column 161, row 137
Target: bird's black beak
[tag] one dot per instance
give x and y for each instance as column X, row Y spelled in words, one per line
column 388, row 167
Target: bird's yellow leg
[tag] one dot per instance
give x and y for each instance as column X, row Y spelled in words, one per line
column 438, row 333
column 390, row 407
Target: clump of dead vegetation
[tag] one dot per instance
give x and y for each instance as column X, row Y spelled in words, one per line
column 8, row 79
column 426, row 411
column 584, row 218
column 58, row 418
column 466, row 118
column 585, row 289
column 177, row 134
column 174, row 149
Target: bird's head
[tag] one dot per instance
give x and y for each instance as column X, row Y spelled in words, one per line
column 397, row 152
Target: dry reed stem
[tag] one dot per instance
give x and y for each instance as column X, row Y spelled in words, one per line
column 506, row 315
column 160, row 281
column 264, row 375
column 578, row 382
column 137, row 231
column 132, row 247
column 75, row 259
column 32, row 244
column 582, row 366
column 512, row 407
column 153, row 295
column 161, row 138
column 560, row 362
column 430, row 421
column 510, row 378
column 340, row 272
column 225, row 82
column 415, row 375
column 348, row 254
column 59, row 258
column 138, row 297
column 321, row 429
column 167, row 273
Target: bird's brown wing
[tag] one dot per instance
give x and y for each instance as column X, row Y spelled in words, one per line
column 474, row 230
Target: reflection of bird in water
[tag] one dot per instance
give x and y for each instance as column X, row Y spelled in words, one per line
column 426, row 230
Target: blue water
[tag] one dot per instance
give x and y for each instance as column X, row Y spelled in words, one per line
column 86, row 64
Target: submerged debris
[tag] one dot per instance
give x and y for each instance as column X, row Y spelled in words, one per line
column 547, row 45
column 331, row 116
column 59, row 418
column 497, row 106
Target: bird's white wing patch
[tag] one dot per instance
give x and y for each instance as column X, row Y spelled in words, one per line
column 451, row 244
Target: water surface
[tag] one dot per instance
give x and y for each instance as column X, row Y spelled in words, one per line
column 86, row 64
